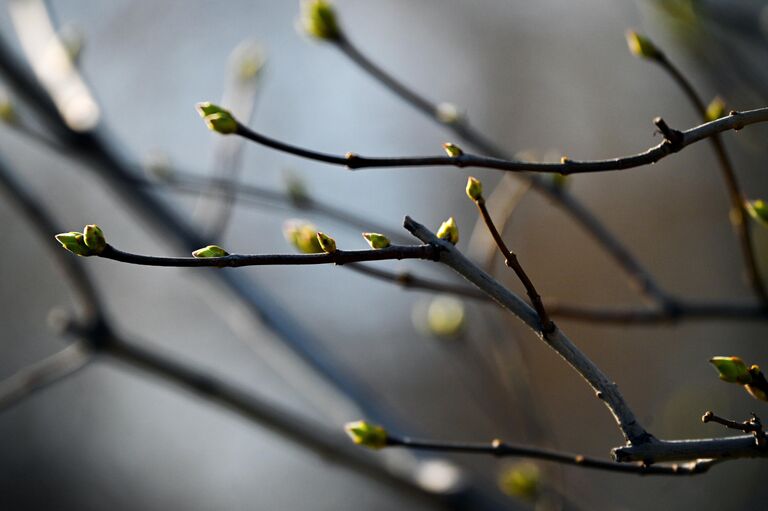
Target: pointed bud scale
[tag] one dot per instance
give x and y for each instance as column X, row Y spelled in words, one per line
column 318, row 19
column 452, row 150
column 327, row 243
column 474, row 189
column 303, row 236
column 207, row 108
column 366, row 434
column 758, row 387
column 716, row 109
column 376, row 240
column 449, row 231
column 758, row 209
column 223, row 124
column 93, row 237
column 74, row 242
column 209, row 251
column 641, row 46
column 732, row 369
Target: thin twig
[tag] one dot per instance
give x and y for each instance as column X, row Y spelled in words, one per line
column 734, row 121
column 424, row 252
column 502, row 449
column 739, row 217
column 510, row 259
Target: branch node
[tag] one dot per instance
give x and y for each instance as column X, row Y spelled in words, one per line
column 673, row 138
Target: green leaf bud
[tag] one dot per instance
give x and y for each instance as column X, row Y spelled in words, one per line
column 474, row 189
column 93, row 237
column 376, row 240
column 318, row 19
column 209, row 251
column 449, row 231
column 641, row 46
column 223, row 123
column 732, row 369
column 452, row 150
column 445, row 316
column 758, row 209
column 327, row 243
column 716, row 109
column 207, row 108
column 74, row 242
column 303, row 236
column 366, row 434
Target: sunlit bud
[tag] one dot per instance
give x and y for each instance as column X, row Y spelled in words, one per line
column 449, row 231
column 224, row 124
column 732, row 369
column 318, row 19
column 327, row 243
column 209, row 251
column 716, row 109
column 447, row 113
column 74, row 242
column 93, row 237
column 641, row 46
column 758, row 209
column 376, row 240
column 445, row 316
column 474, row 189
column 207, row 108
column 303, row 236
column 366, row 434
column 758, row 387
column 452, row 150
column 522, row 480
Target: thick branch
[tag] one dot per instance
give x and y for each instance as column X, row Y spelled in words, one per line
column 557, row 340
column 735, row 121
column 677, row 450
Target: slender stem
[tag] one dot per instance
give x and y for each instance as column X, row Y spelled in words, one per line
column 604, row 388
column 739, row 217
column 735, row 121
column 425, row 252
column 502, row 449
column 750, row 426
column 510, row 259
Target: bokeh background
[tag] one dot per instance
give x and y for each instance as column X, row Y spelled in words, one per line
column 551, row 77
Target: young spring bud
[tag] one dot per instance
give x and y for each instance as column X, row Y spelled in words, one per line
column 327, row 243
column 447, row 113
column 376, row 240
column 716, row 109
column 474, row 189
column 758, row 209
column 224, row 124
column 207, row 108
column 732, row 369
column 93, row 237
column 366, row 434
column 522, row 480
column 445, row 316
column 641, row 46
column 758, row 387
column 452, row 150
column 74, row 242
column 209, row 251
column 318, row 19
column 449, row 231
column 303, row 236
column 247, row 60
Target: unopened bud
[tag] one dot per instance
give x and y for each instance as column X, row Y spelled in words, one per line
column 758, row 209
column 74, row 242
column 732, row 369
column 716, row 109
column 452, row 150
column 366, row 434
column 327, row 243
column 449, row 231
column 93, row 237
column 474, row 189
column 318, row 19
column 641, row 46
column 376, row 240
column 303, row 236
column 209, row 251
